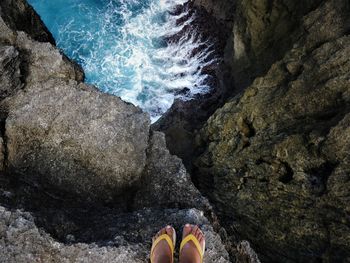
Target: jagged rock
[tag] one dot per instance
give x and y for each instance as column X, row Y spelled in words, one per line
column 75, row 138
column 165, row 180
column 282, row 185
column 9, row 71
column 65, row 134
column 7, row 36
column 65, row 147
column 2, row 155
column 263, row 31
column 246, row 253
column 43, row 61
column 22, row 241
column 186, row 116
column 220, row 9
column 20, row 16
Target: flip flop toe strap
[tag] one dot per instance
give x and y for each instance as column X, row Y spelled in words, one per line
column 195, row 241
column 168, row 240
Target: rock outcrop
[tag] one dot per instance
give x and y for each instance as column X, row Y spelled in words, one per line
column 20, row 16
column 83, row 178
column 274, row 160
column 66, row 134
column 22, row 241
column 73, row 137
column 165, row 181
column 9, row 71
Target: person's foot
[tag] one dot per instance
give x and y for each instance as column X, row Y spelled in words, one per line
column 189, row 253
column 162, row 252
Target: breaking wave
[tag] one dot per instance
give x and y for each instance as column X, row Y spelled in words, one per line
column 125, row 48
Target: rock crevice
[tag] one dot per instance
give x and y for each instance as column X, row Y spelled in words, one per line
column 83, row 176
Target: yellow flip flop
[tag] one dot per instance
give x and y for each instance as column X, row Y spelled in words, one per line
column 195, row 241
column 170, row 242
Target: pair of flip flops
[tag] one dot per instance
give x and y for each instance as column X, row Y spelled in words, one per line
column 172, row 243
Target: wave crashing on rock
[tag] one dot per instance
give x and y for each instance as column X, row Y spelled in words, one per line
column 147, row 52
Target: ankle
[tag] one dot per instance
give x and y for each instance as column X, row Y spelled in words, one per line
column 186, row 259
column 162, row 259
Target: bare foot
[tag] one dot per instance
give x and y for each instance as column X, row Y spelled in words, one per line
column 162, row 253
column 189, row 252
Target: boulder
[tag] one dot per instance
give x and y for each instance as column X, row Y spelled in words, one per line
column 73, row 137
column 63, row 133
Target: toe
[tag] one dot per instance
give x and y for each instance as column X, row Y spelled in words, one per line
column 169, row 230
column 194, row 230
column 186, row 230
column 198, row 233
column 162, row 231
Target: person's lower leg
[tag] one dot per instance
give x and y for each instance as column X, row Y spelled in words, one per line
column 162, row 259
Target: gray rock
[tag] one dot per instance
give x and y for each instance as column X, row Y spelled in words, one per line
column 20, row 16
column 165, row 181
column 246, row 253
column 75, row 138
column 2, row 155
column 9, row 71
column 22, row 241
column 65, row 134
column 7, row 36
column 43, row 61
column 67, row 146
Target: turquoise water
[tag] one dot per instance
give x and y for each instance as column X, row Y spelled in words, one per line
column 120, row 44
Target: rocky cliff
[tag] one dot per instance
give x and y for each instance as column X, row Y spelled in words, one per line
column 83, row 178
column 274, row 160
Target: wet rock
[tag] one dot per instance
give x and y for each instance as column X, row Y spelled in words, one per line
column 220, row 9
column 184, row 117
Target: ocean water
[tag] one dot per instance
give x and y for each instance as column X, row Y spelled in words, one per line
column 121, row 46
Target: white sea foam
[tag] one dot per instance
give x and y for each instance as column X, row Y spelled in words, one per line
column 131, row 60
